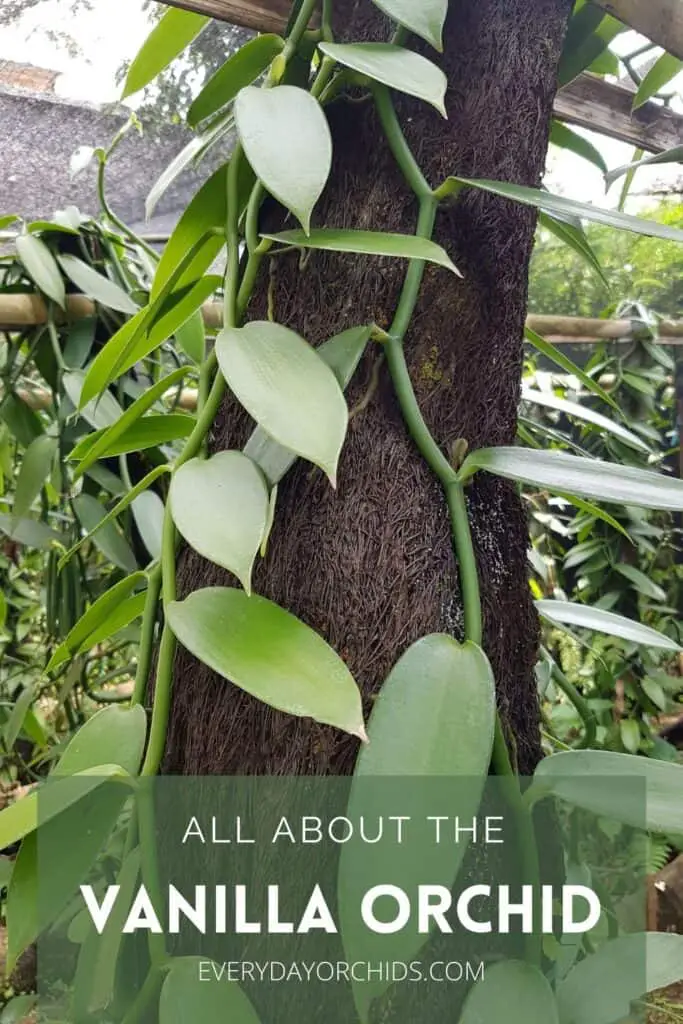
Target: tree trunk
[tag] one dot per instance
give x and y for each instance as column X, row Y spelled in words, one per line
column 371, row 565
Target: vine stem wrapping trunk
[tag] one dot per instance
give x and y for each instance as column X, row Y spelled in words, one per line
column 371, row 566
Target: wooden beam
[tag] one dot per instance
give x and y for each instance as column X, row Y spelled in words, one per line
column 660, row 21
column 260, row 15
column 584, row 327
column 591, row 102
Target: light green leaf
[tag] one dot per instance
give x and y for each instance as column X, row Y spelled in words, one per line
column 148, row 513
column 143, row 333
column 659, row 75
column 99, row 413
column 601, row 988
column 185, row 997
column 114, row 735
column 287, row 141
column 630, row 735
column 594, row 510
column 569, row 613
column 671, row 156
column 560, row 206
column 589, row 478
column 41, row 267
column 394, row 66
column 287, row 388
column 270, row 653
column 342, row 353
column 18, row 1010
column 604, row 783
column 7, row 219
column 95, row 285
column 106, row 439
column 29, row 532
column 641, row 582
column 15, row 721
column 191, row 338
column 166, row 41
column 35, row 469
column 585, row 413
column 573, row 235
column 555, row 355
column 239, row 71
column 220, row 506
column 148, row 432
column 514, row 990
column 566, row 138
column 426, row 19
column 368, row 243
column 195, row 150
column 97, row 615
column 35, row 901
column 109, row 539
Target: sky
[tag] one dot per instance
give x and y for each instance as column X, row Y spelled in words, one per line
column 113, row 30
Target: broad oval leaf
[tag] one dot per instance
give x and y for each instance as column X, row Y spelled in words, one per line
column 561, row 206
column 601, row 988
column 220, row 505
column 35, row 470
column 659, row 75
column 166, row 41
column 287, row 388
column 511, row 988
column 114, row 735
column 589, row 478
column 97, row 615
column 41, row 267
column 186, row 997
column 270, row 653
column 287, row 141
column 426, row 18
column 394, row 66
column 109, row 539
column 239, row 71
column 570, row 613
column 604, row 783
column 96, row 286
column 368, row 243
column 585, row 413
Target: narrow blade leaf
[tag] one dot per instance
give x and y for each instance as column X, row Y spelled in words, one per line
column 239, row 71
column 96, row 286
column 166, row 41
column 570, row 613
column 368, row 243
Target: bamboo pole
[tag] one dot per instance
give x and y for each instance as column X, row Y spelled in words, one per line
column 660, row 21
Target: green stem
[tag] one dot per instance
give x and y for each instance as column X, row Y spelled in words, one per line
column 139, row 1012
column 149, row 866
column 398, row 144
column 469, row 575
column 149, row 618
column 298, row 29
column 580, row 703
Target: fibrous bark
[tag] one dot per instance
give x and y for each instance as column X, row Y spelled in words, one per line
column 371, row 565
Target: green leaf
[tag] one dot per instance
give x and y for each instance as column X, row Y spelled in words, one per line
column 425, row 19
column 573, row 235
column 564, row 137
column 206, row 210
column 368, row 243
column 114, row 734
column 511, row 989
column 128, row 498
column 630, row 735
column 35, row 469
column 555, row 355
column 18, row 1010
column 585, row 413
column 270, row 653
column 601, row 988
column 15, row 721
column 659, row 75
column 287, row 388
column 22, row 817
column 239, row 71
column 220, row 506
column 195, row 150
column 570, row 613
column 108, row 539
column 342, row 353
column 148, row 432
column 589, row 478
column 95, row 285
column 23, row 423
column 41, row 267
column 99, row 413
column 394, row 66
column 106, row 439
column 7, row 219
column 287, row 141
column 51, row 865
column 191, row 338
column 671, row 156
column 641, row 582
column 603, row 783
column 166, row 41
column 143, row 333
column 185, row 997
column 29, row 532
column 148, row 513
column 97, row 616
column 563, row 207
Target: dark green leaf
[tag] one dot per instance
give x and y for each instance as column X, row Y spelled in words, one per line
column 394, row 66
column 35, row 470
column 564, row 137
column 586, row 617
column 555, row 355
column 426, row 19
column 191, row 337
column 166, row 41
column 268, row 652
column 23, row 423
column 95, row 285
column 240, row 70
column 514, row 990
column 185, row 997
column 641, row 582
column 109, row 539
column 659, row 75
column 15, row 721
column 573, row 235
column 148, row 432
column 370, row 243
column 41, row 267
